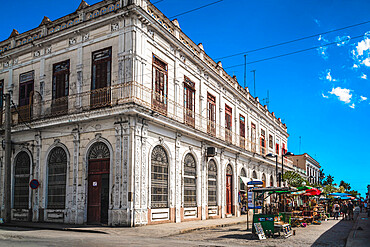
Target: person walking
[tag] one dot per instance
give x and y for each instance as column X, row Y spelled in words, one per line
column 336, row 209
column 350, row 210
column 356, row 211
column 344, row 210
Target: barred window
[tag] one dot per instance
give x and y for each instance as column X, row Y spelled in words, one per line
column 21, row 180
column 190, row 182
column 212, row 183
column 159, row 179
column 242, row 174
column 254, row 175
column 57, row 172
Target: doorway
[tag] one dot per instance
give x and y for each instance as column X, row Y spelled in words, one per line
column 98, row 184
column 229, row 194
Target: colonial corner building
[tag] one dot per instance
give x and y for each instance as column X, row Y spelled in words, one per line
column 126, row 121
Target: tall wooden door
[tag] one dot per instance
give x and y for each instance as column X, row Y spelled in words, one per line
column 229, row 190
column 98, row 192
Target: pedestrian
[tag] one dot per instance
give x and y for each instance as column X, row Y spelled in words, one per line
column 336, row 209
column 344, row 210
column 350, row 210
column 356, row 211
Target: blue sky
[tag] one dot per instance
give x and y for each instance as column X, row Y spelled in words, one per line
column 322, row 95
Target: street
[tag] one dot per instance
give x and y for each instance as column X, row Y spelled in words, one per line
column 330, row 233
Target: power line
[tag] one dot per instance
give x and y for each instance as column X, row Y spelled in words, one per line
column 201, row 7
column 292, row 41
column 291, row 53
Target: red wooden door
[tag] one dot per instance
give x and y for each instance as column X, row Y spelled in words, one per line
column 98, row 192
column 94, row 202
column 229, row 194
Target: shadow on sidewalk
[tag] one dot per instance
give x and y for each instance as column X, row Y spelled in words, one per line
column 336, row 235
column 33, row 226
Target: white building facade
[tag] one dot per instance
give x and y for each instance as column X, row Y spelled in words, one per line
column 117, row 113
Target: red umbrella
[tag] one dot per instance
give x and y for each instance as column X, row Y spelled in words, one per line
column 312, row 192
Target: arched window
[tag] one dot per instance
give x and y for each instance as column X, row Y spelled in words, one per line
column 212, row 183
column 190, row 182
column 254, row 175
column 21, row 180
column 242, row 184
column 57, row 173
column 159, row 188
column 271, row 181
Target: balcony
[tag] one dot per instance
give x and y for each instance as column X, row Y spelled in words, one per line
column 128, row 94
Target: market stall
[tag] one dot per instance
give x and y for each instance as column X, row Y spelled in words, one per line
column 270, row 220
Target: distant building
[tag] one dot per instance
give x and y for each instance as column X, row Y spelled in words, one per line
column 126, row 121
column 309, row 165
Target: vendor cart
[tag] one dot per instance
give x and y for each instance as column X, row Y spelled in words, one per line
column 269, row 219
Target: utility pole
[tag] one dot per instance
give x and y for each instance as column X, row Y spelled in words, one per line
column 254, row 81
column 8, row 150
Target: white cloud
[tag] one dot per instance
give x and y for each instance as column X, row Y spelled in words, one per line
column 363, row 98
column 324, row 96
column 363, row 46
column 361, row 53
column 364, row 76
column 317, row 22
column 341, row 41
column 355, row 66
column 327, row 76
column 322, row 51
column 352, row 106
column 343, row 94
column 366, row 61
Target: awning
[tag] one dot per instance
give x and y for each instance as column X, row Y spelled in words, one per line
column 244, row 180
column 255, row 182
column 312, row 192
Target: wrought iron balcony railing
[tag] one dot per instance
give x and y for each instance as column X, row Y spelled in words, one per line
column 133, row 92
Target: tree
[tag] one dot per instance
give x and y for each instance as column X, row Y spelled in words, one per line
column 345, row 185
column 329, row 180
column 293, row 178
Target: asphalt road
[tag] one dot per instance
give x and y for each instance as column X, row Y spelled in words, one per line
column 330, row 233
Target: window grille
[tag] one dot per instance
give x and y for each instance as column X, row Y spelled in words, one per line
column 21, row 180
column 159, row 178
column 57, row 172
column 190, row 182
column 212, row 183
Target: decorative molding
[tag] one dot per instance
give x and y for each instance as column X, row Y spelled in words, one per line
column 72, row 41
column 114, row 27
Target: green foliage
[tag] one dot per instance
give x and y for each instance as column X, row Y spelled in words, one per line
column 329, row 180
column 345, row 185
column 294, row 179
column 327, row 189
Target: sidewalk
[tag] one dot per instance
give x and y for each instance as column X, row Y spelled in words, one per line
column 360, row 233
column 160, row 230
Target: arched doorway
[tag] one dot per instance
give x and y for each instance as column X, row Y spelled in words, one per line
column 98, row 184
column 229, row 190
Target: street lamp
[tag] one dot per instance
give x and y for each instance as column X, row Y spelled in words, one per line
column 282, row 164
column 270, row 155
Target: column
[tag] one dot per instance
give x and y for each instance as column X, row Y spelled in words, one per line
column 178, row 180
